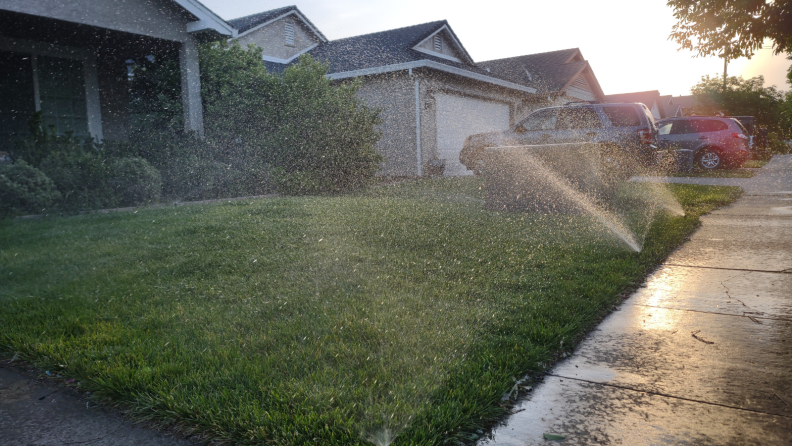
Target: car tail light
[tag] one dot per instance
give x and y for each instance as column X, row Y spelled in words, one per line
column 646, row 137
column 741, row 136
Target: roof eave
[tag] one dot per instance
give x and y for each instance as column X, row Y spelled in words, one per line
column 299, row 15
column 207, row 20
column 433, row 65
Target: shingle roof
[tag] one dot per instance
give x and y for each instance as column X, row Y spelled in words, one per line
column 684, row 101
column 645, row 97
column 243, row 24
column 384, row 48
column 671, row 110
column 549, row 71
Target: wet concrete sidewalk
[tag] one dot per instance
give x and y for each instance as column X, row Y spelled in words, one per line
column 701, row 355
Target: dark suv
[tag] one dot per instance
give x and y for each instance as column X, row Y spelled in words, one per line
column 716, row 142
column 627, row 131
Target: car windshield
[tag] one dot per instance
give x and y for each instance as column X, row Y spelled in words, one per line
column 542, row 120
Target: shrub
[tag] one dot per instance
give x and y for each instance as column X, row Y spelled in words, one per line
column 81, row 177
column 25, row 189
column 318, row 135
column 134, row 181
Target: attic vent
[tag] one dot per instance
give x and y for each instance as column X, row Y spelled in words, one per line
column 438, row 43
column 289, row 33
column 581, row 83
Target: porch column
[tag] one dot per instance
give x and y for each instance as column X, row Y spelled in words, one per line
column 191, row 86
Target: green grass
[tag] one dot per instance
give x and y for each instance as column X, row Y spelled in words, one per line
column 755, row 164
column 720, row 173
column 308, row 320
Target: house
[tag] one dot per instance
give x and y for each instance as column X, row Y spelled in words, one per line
column 68, row 60
column 563, row 76
column 661, row 106
column 431, row 93
column 651, row 99
column 683, row 105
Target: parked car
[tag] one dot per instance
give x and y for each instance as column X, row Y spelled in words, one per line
column 716, row 142
column 627, row 131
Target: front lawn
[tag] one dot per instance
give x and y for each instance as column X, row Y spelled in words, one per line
column 316, row 320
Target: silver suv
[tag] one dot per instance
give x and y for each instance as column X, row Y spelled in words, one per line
column 627, row 132
column 715, row 142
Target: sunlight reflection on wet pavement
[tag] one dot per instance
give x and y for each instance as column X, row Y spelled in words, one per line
column 700, row 355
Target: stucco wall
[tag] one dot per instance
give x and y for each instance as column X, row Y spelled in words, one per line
column 272, row 38
column 162, row 19
column 394, row 95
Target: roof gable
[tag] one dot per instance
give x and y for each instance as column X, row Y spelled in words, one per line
column 450, row 47
column 248, row 24
column 549, row 72
column 389, row 48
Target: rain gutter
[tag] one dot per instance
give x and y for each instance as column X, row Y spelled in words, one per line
column 433, row 65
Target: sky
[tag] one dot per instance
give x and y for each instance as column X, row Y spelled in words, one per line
column 625, row 41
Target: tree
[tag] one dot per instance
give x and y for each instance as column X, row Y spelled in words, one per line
column 742, row 97
column 732, row 28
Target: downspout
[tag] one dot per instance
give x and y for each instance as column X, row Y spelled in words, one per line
column 417, row 123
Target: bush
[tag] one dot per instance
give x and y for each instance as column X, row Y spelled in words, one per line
column 25, row 189
column 299, row 133
column 81, row 177
column 134, row 181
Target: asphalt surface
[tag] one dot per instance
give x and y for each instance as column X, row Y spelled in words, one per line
column 701, row 355
column 36, row 412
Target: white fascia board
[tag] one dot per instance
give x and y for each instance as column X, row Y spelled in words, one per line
column 206, row 19
column 436, row 54
column 459, row 46
column 285, row 61
column 433, row 65
column 299, row 16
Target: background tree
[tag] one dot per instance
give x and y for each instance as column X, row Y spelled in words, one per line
column 742, row 97
column 732, row 28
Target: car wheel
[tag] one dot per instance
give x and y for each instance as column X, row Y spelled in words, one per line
column 710, row 159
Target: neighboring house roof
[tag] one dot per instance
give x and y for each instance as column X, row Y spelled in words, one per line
column 647, row 98
column 672, row 111
column 394, row 49
column 548, row 72
column 684, row 101
column 252, row 22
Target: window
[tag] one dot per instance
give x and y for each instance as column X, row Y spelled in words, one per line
column 665, row 128
column 438, row 43
column 715, row 126
column 62, row 92
column 578, row 118
column 681, row 127
column 541, row 120
column 622, row 116
column 16, row 96
column 289, row 33
column 53, row 85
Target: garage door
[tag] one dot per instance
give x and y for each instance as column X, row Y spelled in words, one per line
column 459, row 117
